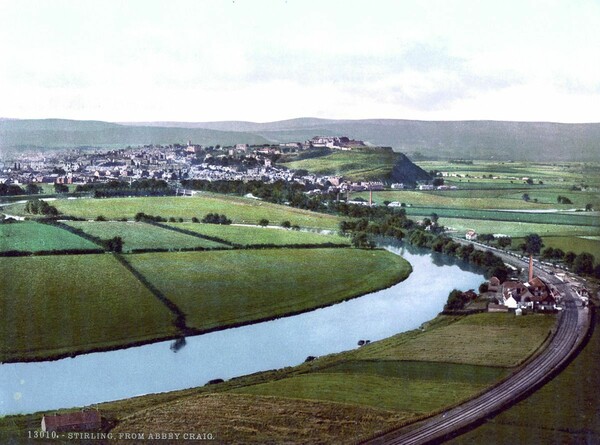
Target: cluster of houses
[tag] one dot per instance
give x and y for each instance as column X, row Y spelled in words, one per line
column 177, row 162
column 515, row 295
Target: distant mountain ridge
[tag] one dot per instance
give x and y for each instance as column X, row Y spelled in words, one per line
column 500, row 140
column 55, row 133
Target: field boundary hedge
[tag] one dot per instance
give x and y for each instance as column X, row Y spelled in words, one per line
column 180, row 322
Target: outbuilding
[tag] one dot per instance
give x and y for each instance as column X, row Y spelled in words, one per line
column 78, row 421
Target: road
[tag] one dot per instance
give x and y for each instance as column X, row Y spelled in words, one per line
column 571, row 329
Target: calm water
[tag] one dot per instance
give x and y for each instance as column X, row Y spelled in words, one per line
column 99, row 377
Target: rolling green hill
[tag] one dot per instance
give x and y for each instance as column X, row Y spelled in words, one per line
column 378, row 164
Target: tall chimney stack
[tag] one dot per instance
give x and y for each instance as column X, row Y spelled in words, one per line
column 530, row 267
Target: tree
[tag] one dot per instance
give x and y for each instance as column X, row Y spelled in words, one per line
column 584, row 263
column 500, row 272
column 526, row 197
column 60, row 188
column 263, row 222
column 532, row 244
column 33, row 189
column 529, row 181
column 589, row 207
column 569, row 258
column 286, row 224
column 456, row 300
column 504, row 242
column 113, row 244
column 195, row 220
column 361, row 240
column 563, row 200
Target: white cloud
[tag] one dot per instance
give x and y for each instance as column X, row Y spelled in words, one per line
column 272, row 59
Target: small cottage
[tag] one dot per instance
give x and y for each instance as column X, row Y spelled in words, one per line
column 78, row 421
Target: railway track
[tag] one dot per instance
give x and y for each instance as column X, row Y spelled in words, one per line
column 571, row 328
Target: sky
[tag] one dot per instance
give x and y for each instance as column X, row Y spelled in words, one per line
column 268, row 60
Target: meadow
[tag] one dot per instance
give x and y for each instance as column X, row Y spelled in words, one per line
column 516, row 229
column 492, row 199
column 239, row 418
column 348, row 392
column 354, row 165
column 500, row 340
column 260, row 235
column 56, row 305
column 565, row 410
column 139, row 235
column 30, row 236
column 223, row 288
column 239, row 210
column 577, row 244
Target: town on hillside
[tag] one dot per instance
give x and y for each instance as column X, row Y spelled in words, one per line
column 179, row 162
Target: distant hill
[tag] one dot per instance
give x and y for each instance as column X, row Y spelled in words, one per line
column 53, row 133
column 527, row 141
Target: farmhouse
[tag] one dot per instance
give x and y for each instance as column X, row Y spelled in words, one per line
column 471, row 235
column 78, row 421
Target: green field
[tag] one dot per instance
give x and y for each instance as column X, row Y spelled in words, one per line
column 354, row 165
column 29, row 236
column 577, row 244
column 220, row 288
column 581, row 219
column 500, row 340
column 566, row 410
column 408, row 396
column 260, row 235
column 486, row 199
column 55, row 305
column 515, row 229
column 240, row 210
column 138, row 235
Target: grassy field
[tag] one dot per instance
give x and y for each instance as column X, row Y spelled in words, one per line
column 577, row 244
column 237, row 418
column 407, row 396
column 500, row 340
column 516, row 229
column 138, row 235
column 580, row 219
column 240, row 210
column 33, row 237
column 61, row 304
column 228, row 287
column 260, row 235
column 505, row 199
column 354, row 165
column 566, row 410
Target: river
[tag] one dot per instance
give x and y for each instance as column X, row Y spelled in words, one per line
column 104, row 376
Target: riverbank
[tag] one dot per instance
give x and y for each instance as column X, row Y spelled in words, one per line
column 258, row 290
column 396, row 380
